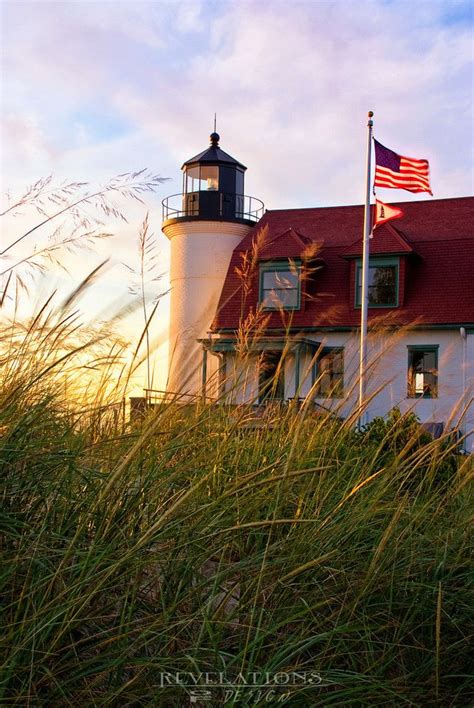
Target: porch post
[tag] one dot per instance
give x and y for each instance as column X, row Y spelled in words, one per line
column 204, row 374
column 297, row 368
column 222, row 377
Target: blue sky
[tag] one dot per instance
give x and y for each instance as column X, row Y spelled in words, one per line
column 93, row 89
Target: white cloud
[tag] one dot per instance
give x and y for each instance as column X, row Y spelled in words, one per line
column 291, row 84
column 25, row 133
column 189, row 16
column 291, row 87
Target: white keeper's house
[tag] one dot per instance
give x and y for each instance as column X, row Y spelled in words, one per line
column 265, row 304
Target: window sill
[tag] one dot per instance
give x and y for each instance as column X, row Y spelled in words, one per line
column 278, row 309
column 421, row 395
column 378, row 307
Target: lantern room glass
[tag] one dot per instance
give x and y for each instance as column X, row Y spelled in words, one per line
column 202, row 178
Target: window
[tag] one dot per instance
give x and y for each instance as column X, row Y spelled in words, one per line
column 280, row 287
column 330, row 373
column 271, row 377
column 202, row 178
column 239, row 194
column 422, row 372
column 383, row 282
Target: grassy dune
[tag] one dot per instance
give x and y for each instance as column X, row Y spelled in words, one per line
column 193, row 542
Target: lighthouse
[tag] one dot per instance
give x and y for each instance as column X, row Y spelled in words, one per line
column 204, row 224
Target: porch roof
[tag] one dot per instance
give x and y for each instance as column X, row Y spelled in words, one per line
column 262, row 344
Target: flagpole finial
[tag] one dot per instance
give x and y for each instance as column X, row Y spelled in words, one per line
column 371, row 122
column 370, row 114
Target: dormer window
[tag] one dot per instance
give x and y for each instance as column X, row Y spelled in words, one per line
column 280, row 285
column 383, row 282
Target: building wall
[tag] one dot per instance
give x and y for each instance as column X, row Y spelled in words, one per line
column 200, row 256
column 240, row 379
column 386, row 377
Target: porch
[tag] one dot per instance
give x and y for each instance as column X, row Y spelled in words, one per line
column 267, row 359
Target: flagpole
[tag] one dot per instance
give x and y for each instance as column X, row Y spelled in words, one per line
column 365, row 279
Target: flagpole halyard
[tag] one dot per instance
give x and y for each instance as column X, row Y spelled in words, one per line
column 364, row 301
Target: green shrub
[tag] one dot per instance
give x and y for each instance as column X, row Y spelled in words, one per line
column 400, row 439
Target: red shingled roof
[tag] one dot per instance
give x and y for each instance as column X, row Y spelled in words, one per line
column 435, row 240
column 289, row 244
column 386, row 240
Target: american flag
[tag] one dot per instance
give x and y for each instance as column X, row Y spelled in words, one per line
column 398, row 172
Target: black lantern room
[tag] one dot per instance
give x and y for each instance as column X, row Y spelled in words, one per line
column 213, row 189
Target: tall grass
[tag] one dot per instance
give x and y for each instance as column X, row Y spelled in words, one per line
column 192, row 541
column 198, row 539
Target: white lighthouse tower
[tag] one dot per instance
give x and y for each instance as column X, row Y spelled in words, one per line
column 204, row 224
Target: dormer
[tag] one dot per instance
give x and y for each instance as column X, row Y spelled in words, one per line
column 288, row 263
column 389, row 257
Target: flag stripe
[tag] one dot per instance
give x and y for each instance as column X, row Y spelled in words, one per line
column 409, row 169
column 412, row 185
column 405, row 173
column 403, row 170
column 400, row 179
column 380, row 177
column 423, row 169
column 415, row 163
column 408, row 187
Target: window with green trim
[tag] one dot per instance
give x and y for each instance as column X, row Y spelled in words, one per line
column 383, row 282
column 422, row 371
column 280, row 286
column 330, row 373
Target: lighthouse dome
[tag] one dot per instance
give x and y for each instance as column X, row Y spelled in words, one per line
column 213, row 155
column 213, row 190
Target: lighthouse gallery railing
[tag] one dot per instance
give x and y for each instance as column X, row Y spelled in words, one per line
column 224, row 205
